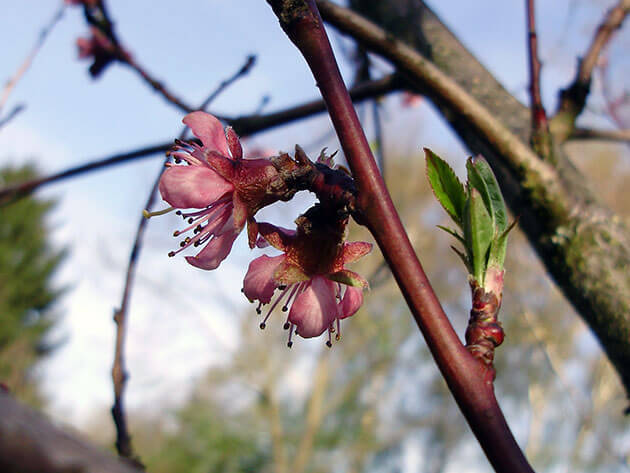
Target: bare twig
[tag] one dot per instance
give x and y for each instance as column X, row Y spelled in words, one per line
column 539, row 117
column 540, row 139
column 29, row 443
column 244, row 126
column 244, row 70
column 607, row 135
column 10, row 85
column 468, row 380
column 97, row 16
column 10, row 193
column 573, row 98
column 15, row 111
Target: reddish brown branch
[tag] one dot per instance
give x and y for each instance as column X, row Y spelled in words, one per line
column 573, row 98
column 466, row 378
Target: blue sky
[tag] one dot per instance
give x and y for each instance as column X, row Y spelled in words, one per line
column 181, row 318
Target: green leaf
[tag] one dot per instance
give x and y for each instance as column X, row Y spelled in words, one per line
column 448, row 190
column 478, row 233
column 496, row 256
column 452, row 232
column 481, row 177
column 464, row 258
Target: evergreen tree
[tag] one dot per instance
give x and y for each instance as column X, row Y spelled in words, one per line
column 27, row 263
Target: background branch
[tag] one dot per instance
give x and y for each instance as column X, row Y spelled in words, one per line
column 31, row 444
column 573, row 98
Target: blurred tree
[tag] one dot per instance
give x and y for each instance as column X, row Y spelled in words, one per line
column 27, row 264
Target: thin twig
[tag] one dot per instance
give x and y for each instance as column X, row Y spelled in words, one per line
column 573, row 98
column 12, row 114
column 607, row 135
column 244, row 126
column 539, row 116
column 10, row 85
column 98, row 17
column 119, row 371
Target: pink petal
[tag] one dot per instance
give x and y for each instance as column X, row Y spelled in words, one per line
column 355, row 250
column 259, row 284
column 215, row 251
column 314, row 309
column 208, row 129
column 352, row 300
column 192, row 186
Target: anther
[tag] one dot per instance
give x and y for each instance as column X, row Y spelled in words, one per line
column 282, row 287
column 179, row 212
column 182, row 243
column 289, row 344
column 328, row 343
column 262, row 325
column 171, row 254
column 176, row 233
column 286, row 325
column 191, row 220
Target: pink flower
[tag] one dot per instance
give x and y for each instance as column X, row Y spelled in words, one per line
column 311, row 273
column 226, row 188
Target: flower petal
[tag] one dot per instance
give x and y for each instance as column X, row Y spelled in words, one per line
column 208, row 129
column 258, row 283
column 352, row 300
column 314, row 309
column 215, row 251
column 197, row 187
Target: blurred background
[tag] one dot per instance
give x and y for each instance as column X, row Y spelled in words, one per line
column 208, row 390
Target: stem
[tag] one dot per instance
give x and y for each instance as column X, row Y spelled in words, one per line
column 466, row 378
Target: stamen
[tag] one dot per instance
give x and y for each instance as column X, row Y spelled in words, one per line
column 338, row 336
column 290, row 342
column 329, row 341
column 273, row 306
column 285, row 307
column 147, row 214
column 258, row 309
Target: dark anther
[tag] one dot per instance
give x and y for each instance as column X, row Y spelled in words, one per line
column 262, row 326
column 286, row 326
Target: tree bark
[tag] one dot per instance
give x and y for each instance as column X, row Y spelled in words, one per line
column 31, row 444
column 584, row 245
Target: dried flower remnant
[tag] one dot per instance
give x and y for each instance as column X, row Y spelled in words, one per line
column 214, row 178
column 101, row 49
column 317, row 290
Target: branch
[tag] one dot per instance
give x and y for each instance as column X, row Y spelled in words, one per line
column 540, row 138
column 29, row 59
column 97, row 17
column 31, row 444
column 244, row 126
column 15, row 111
column 573, row 98
column 466, row 378
column 608, row 135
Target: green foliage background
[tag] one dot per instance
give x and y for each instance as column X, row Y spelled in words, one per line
column 27, row 264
